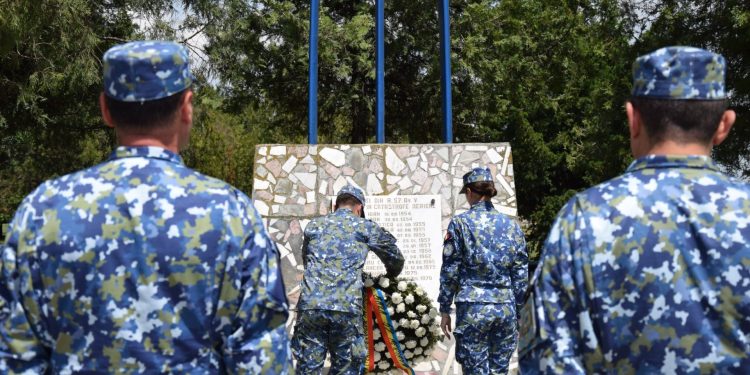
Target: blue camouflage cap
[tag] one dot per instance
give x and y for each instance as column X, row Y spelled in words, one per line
column 353, row 191
column 146, row 70
column 476, row 175
column 356, row 193
column 679, row 73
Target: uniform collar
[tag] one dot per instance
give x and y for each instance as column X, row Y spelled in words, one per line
column 145, row 152
column 344, row 211
column 672, row 161
column 482, row 205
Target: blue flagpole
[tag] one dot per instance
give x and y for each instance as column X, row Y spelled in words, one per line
column 445, row 70
column 380, row 71
column 312, row 99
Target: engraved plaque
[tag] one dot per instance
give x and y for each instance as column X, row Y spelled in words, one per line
column 415, row 221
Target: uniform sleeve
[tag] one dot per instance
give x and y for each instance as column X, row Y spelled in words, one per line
column 383, row 244
column 567, row 341
column 21, row 351
column 449, row 271
column 520, row 273
column 253, row 310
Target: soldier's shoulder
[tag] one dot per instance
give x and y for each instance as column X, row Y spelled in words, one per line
column 462, row 216
column 603, row 193
column 62, row 187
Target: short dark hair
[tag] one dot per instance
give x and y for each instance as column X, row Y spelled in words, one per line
column 483, row 188
column 346, row 200
column 683, row 121
column 144, row 115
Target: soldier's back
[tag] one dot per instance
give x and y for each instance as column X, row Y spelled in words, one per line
column 668, row 245
column 334, row 255
column 123, row 263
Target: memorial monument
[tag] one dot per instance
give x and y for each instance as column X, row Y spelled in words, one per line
column 412, row 190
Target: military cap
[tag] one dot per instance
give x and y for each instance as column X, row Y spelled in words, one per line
column 476, row 175
column 356, row 193
column 679, row 73
column 146, row 70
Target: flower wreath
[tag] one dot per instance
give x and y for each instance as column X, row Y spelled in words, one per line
column 412, row 318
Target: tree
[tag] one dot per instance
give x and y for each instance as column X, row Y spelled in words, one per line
column 550, row 77
column 50, row 77
column 720, row 26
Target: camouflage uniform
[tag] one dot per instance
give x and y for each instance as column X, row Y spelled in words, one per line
column 485, row 268
column 330, row 305
column 140, row 264
column 650, row 272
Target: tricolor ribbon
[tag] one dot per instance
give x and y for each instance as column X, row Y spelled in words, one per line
column 375, row 305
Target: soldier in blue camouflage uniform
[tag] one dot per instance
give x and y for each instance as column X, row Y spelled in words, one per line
column 485, row 268
column 650, row 272
column 140, row 264
column 330, row 304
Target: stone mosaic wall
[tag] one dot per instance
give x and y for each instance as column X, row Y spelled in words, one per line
column 294, row 183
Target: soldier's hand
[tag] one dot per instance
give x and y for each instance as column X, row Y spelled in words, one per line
column 445, row 324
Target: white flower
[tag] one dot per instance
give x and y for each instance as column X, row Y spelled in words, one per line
column 425, row 319
column 384, row 282
column 383, row 365
column 433, row 312
column 434, row 329
column 408, row 354
column 375, row 334
column 403, row 322
column 421, row 308
column 376, row 357
column 396, row 298
column 390, row 310
column 388, row 354
column 414, row 324
column 418, row 351
column 424, row 342
column 411, row 314
column 419, row 291
column 402, row 286
column 380, row 347
column 400, row 308
column 369, row 282
column 409, row 299
column 420, row 332
column 428, row 352
column 411, row 344
column 400, row 335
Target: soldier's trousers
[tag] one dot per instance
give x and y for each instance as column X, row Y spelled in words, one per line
column 318, row 332
column 486, row 336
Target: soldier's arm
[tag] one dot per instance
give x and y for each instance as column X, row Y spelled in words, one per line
column 565, row 326
column 449, row 271
column 383, row 244
column 21, row 351
column 253, row 309
column 520, row 272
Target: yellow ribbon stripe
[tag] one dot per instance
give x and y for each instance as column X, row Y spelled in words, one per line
column 375, row 305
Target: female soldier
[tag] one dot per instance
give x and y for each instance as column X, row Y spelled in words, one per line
column 485, row 267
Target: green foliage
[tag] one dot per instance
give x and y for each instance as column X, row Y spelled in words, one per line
column 550, row 77
column 723, row 27
column 49, row 81
column 222, row 144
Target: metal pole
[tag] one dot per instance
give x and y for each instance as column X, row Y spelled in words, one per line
column 445, row 70
column 380, row 71
column 312, row 99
